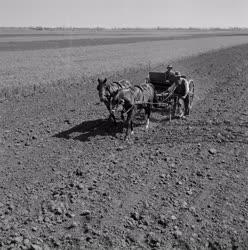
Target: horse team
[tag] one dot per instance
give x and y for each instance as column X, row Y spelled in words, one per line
column 123, row 97
column 126, row 98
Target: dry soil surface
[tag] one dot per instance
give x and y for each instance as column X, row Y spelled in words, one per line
column 69, row 181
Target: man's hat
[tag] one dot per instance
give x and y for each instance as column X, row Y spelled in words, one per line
column 177, row 74
column 169, row 66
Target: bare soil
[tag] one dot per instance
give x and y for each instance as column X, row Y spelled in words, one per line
column 69, row 181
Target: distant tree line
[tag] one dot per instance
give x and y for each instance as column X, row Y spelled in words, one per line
column 40, row 28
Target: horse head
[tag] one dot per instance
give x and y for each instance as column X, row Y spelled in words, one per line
column 101, row 87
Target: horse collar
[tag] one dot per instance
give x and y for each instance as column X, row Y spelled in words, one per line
column 119, row 85
column 139, row 87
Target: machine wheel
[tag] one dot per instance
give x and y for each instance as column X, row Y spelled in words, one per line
column 180, row 108
column 191, row 93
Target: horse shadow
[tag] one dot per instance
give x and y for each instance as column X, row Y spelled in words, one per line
column 105, row 127
column 89, row 129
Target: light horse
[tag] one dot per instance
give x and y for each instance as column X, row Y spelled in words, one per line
column 106, row 90
column 129, row 100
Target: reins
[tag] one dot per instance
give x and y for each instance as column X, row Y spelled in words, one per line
column 138, row 103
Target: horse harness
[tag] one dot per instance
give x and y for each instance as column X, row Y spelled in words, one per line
column 142, row 90
column 136, row 101
column 108, row 89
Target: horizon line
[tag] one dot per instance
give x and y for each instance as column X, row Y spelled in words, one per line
column 124, row 28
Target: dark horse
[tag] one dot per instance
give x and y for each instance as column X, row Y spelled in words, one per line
column 107, row 90
column 129, row 100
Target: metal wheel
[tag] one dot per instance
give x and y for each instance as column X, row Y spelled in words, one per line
column 191, row 93
column 180, row 107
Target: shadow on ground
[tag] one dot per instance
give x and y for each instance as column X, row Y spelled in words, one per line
column 99, row 127
column 88, row 129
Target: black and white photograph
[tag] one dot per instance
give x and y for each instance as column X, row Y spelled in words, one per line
column 123, row 125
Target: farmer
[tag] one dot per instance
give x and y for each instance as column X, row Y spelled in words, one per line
column 170, row 77
column 182, row 90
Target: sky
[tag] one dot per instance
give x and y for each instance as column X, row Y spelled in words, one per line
column 124, row 13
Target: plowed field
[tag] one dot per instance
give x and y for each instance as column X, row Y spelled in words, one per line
column 69, row 181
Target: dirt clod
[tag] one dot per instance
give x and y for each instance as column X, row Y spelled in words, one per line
column 212, row 151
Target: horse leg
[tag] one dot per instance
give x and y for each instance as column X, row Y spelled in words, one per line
column 147, row 123
column 129, row 123
column 132, row 113
column 170, row 111
column 122, row 116
column 186, row 105
column 107, row 104
column 111, row 115
column 148, row 113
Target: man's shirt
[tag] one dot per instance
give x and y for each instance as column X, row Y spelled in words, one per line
column 183, row 88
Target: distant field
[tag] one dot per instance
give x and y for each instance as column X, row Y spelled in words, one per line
column 74, row 42
column 14, row 35
column 35, row 62
column 34, row 40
